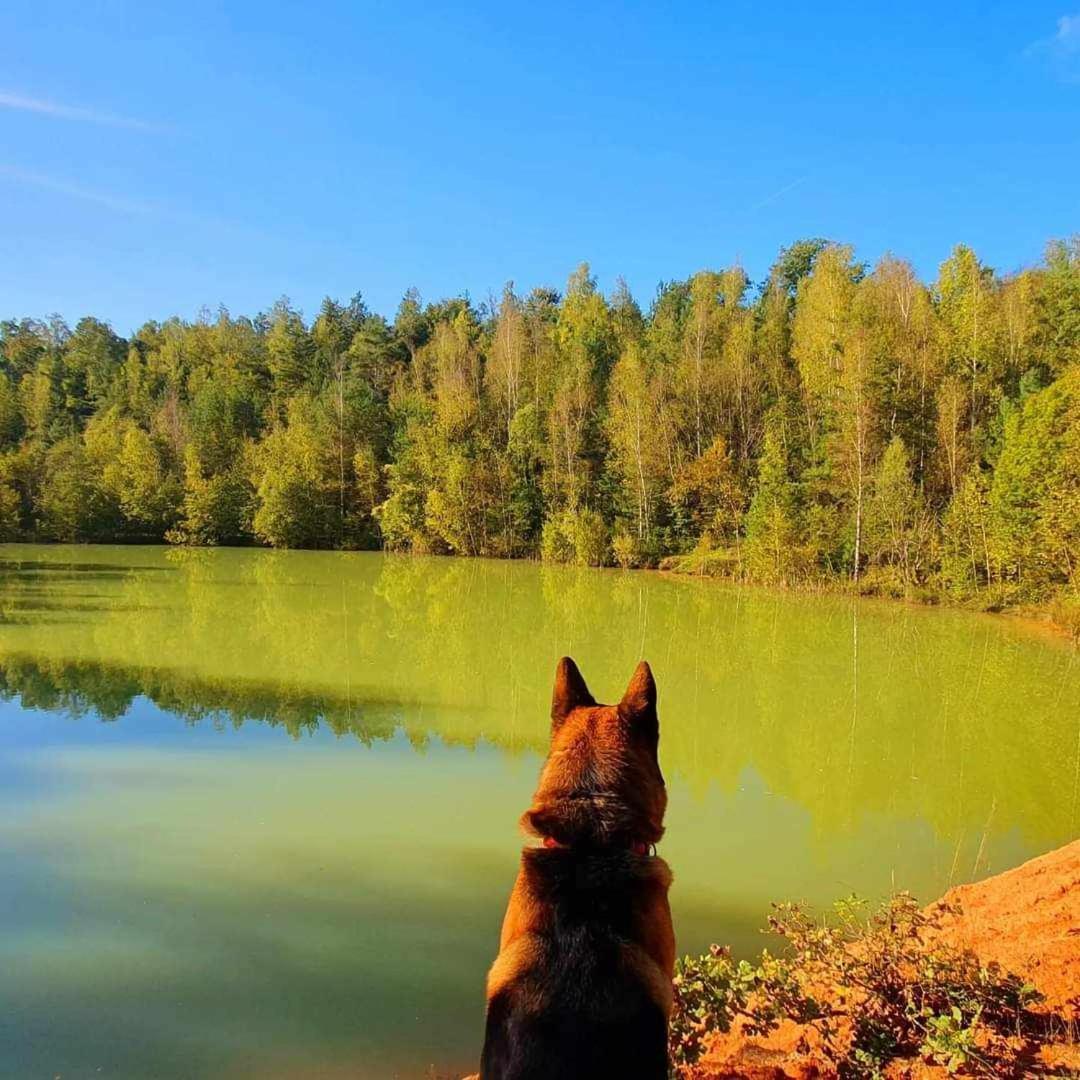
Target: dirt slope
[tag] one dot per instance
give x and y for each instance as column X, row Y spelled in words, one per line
column 1026, row 919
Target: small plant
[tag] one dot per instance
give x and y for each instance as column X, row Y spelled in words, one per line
column 951, row 1039
column 711, row 991
column 874, row 984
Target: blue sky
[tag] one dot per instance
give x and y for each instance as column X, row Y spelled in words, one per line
column 158, row 157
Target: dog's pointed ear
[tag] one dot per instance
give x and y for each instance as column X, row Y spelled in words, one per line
column 638, row 705
column 570, row 691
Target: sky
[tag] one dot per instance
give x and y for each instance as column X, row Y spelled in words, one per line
column 160, row 158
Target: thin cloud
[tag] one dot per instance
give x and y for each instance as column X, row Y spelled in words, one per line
column 74, row 191
column 779, row 194
column 72, row 112
column 1061, row 50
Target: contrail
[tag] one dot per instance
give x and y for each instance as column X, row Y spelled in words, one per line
column 776, row 194
column 72, row 112
column 74, row 191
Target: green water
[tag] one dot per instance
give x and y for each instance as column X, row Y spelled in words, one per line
column 259, row 809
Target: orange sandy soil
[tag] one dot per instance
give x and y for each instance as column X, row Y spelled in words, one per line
column 1027, row 919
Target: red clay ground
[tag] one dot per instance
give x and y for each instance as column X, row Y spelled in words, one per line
column 1027, row 919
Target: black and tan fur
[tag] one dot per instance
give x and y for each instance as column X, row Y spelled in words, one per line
column 582, row 983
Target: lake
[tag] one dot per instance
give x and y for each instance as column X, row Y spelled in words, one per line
column 260, row 808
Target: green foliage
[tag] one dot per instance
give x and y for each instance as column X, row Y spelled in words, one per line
column 11, row 419
column 772, row 523
column 557, row 541
column 877, row 986
column 1035, row 495
column 709, row 496
column 1058, row 306
column 952, row 1038
column 713, row 990
column 10, row 504
column 965, row 555
column 216, row 508
column 576, row 536
column 796, row 262
column 706, row 561
column 842, row 422
column 454, row 512
column 627, row 549
column 295, row 504
column 72, row 505
column 134, row 472
column 899, row 531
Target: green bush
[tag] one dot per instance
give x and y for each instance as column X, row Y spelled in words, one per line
column 576, row 536
column 592, row 541
column 627, row 549
column 556, row 542
column 884, row 580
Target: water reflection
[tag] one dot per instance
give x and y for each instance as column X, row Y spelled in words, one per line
column 847, row 709
column 192, row 892
column 194, row 913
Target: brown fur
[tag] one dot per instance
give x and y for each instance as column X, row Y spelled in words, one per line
column 582, row 982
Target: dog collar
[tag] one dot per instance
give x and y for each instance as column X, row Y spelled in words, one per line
column 636, row 847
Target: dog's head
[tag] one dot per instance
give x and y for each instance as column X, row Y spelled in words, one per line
column 601, row 785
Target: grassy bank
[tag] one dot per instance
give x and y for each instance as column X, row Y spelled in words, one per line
column 1060, row 610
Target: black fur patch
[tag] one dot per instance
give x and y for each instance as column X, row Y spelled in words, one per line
column 577, row 1035
column 581, row 1011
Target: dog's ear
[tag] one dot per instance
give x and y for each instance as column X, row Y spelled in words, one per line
column 638, row 705
column 570, row 691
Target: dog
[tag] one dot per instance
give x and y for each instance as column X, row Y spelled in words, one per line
column 582, row 983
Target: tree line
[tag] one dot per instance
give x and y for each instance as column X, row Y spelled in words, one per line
column 834, row 421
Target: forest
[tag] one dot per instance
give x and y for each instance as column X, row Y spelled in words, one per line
column 835, row 422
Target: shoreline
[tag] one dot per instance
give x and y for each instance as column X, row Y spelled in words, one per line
column 1035, row 618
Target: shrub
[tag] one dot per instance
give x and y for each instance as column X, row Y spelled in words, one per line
column 10, row 513
column 633, row 552
column 576, row 536
column 626, row 548
column 876, row 987
column 884, row 580
column 592, row 542
column 556, row 543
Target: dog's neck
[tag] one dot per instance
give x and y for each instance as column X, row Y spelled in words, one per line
column 635, row 847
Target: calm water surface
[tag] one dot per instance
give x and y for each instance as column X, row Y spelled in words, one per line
column 259, row 809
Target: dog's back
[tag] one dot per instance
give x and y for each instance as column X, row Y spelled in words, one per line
column 574, row 1028
column 582, row 984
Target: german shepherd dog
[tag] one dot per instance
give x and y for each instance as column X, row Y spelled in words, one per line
column 582, row 983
